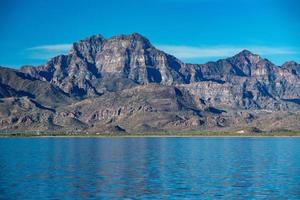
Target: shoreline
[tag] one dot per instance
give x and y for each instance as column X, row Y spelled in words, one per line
column 206, row 134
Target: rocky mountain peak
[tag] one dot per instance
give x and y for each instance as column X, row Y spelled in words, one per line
column 133, row 56
column 132, row 36
column 292, row 66
column 246, row 52
column 134, row 40
column 247, row 56
column 290, row 63
column 87, row 48
column 92, row 39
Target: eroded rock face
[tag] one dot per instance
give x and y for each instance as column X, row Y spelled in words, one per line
column 246, row 81
column 126, row 56
column 134, row 57
column 125, row 84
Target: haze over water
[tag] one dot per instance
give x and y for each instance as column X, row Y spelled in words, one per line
column 150, row 168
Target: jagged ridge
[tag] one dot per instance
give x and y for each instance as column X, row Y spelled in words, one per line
column 98, row 70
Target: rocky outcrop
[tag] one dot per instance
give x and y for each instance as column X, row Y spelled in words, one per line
column 124, row 83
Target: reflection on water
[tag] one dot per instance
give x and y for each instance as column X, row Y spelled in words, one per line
column 139, row 168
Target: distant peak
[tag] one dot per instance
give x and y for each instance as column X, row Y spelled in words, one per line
column 247, row 56
column 290, row 63
column 246, row 53
column 94, row 39
column 90, row 45
column 137, row 35
column 132, row 36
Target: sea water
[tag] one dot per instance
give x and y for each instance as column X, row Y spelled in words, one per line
column 150, row 168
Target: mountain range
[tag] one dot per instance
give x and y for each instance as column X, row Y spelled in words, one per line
column 125, row 84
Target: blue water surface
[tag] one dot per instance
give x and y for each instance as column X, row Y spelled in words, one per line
column 150, row 168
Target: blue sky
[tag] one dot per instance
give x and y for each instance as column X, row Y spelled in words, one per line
column 195, row 31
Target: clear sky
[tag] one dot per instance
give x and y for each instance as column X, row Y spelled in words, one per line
column 195, row 31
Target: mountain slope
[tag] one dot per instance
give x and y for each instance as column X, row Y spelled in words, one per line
column 17, row 84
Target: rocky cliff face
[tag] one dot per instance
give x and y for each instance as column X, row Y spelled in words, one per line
column 247, row 81
column 126, row 57
column 125, row 84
